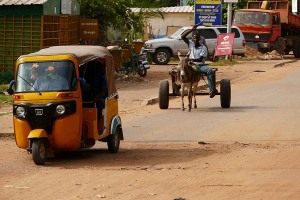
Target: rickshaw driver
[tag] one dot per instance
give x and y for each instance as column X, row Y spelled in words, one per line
column 50, row 81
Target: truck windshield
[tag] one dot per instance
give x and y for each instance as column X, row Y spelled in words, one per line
column 46, row 76
column 247, row 17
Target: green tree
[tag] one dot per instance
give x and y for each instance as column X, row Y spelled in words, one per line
column 117, row 14
column 150, row 3
column 110, row 13
column 239, row 5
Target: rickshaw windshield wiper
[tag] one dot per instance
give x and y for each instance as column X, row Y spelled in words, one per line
column 30, row 85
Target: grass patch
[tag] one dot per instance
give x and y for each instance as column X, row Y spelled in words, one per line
column 5, row 100
column 10, row 136
column 3, row 87
column 223, row 62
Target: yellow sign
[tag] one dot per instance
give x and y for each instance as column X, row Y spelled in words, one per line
column 208, row 2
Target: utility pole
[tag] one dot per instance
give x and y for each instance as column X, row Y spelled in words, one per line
column 229, row 13
column 229, row 17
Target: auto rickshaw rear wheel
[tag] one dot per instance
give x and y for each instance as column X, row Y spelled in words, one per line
column 113, row 142
column 39, row 149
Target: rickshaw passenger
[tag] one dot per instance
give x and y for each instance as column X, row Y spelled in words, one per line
column 101, row 90
column 94, row 75
column 50, row 81
column 86, row 93
column 101, row 94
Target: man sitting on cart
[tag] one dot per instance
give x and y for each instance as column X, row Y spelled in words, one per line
column 198, row 54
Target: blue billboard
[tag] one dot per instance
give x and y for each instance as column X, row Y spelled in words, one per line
column 208, row 12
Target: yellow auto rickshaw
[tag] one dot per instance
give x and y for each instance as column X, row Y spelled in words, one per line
column 65, row 99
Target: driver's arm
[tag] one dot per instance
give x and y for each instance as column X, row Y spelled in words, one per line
column 183, row 36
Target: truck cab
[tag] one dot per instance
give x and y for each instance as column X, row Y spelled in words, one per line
column 261, row 28
column 269, row 25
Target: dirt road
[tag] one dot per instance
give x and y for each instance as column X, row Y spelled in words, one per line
column 161, row 170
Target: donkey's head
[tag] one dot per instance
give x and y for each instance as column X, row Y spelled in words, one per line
column 185, row 73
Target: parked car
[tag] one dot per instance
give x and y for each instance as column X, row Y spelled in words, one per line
column 161, row 50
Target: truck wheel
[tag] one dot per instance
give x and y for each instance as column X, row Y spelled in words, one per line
column 161, row 57
column 225, row 93
column 39, row 148
column 141, row 70
column 163, row 97
column 296, row 48
column 113, row 142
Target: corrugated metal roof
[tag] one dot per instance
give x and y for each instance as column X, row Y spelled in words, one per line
column 21, row 2
column 189, row 9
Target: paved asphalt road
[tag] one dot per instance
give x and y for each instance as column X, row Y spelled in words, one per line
column 265, row 111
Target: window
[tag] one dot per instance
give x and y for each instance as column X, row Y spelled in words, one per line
column 208, row 33
column 276, row 20
column 46, row 76
column 233, row 30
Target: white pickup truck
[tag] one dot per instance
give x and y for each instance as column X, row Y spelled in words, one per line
column 161, row 50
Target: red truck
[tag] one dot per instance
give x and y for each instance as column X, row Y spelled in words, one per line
column 269, row 25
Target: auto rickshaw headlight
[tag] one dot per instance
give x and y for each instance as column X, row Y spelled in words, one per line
column 60, row 109
column 20, row 111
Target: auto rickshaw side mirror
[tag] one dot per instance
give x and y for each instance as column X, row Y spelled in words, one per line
column 10, row 90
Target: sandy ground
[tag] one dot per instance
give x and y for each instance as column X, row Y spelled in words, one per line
column 191, row 171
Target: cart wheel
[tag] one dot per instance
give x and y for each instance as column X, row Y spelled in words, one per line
column 113, row 142
column 225, row 93
column 141, row 70
column 163, row 97
column 39, row 151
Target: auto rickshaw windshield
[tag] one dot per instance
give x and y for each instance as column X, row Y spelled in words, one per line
column 46, row 76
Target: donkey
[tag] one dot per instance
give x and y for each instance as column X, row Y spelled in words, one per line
column 189, row 81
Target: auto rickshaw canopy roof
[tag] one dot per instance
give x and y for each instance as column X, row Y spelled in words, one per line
column 84, row 54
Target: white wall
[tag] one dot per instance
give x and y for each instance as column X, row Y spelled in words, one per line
column 159, row 26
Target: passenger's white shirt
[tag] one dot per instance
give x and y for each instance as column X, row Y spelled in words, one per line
column 196, row 53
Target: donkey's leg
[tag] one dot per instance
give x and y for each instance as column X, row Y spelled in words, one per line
column 182, row 96
column 190, row 98
column 195, row 102
column 182, row 101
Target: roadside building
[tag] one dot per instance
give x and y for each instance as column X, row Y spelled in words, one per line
column 173, row 19
column 27, row 26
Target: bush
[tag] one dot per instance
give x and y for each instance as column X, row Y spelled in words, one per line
column 6, row 77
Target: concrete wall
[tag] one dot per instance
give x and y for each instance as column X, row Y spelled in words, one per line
column 159, row 26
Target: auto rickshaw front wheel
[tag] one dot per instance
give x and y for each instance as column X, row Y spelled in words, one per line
column 39, row 149
column 113, row 141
